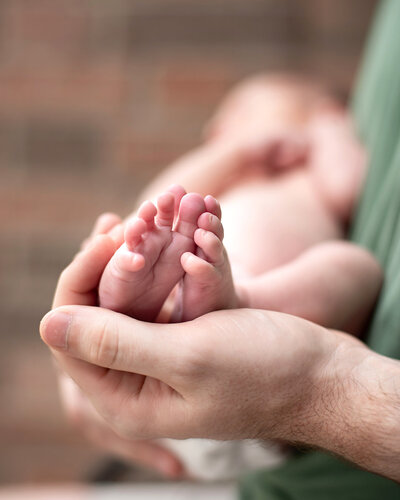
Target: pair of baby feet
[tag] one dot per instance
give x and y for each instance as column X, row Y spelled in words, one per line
column 176, row 241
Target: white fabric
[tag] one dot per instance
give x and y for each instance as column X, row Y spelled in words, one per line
column 223, row 460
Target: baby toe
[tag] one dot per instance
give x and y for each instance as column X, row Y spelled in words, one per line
column 210, row 222
column 165, row 210
column 127, row 262
column 191, row 207
column 133, row 232
column 147, row 211
column 213, row 206
column 178, row 193
column 197, row 267
column 210, row 245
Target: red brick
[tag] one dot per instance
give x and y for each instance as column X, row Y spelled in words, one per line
column 116, row 90
column 47, row 28
column 146, row 156
column 68, row 89
column 194, row 83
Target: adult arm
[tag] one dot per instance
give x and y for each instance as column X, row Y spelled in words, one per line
column 232, row 375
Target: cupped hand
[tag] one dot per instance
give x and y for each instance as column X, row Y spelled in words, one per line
column 229, row 374
column 78, row 285
column 89, row 422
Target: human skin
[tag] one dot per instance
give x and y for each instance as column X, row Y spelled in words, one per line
column 271, row 218
column 71, row 289
column 261, row 119
column 338, row 282
column 214, row 156
column 227, row 375
column 278, row 119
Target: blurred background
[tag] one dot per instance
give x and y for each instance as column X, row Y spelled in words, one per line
column 95, row 98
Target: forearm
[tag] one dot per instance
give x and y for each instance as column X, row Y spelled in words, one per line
column 205, row 170
column 354, row 409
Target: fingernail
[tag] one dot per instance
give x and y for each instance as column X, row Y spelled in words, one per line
column 54, row 329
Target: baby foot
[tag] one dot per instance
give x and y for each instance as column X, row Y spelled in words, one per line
column 207, row 285
column 145, row 269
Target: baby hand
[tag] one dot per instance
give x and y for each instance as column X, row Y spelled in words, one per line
column 280, row 151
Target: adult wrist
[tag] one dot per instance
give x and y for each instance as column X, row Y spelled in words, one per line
column 354, row 408
column 374, row 397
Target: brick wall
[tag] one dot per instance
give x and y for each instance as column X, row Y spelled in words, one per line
column 95, row 98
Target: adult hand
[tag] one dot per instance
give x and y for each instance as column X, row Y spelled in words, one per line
column 229, row 374
column 87, row 420
column 78, row 285
column 233, row 374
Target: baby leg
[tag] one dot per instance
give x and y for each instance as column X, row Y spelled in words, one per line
column 334, row 284
column 144, row 270
column 207, row 285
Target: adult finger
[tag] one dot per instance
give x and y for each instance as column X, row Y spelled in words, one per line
column 104, row 223
column 78, row 282
column 125, row 398
column 88, row 420
column 111, row 340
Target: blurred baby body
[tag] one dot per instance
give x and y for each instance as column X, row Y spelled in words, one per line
column 271, row 216
column 271, row 219
column 302, row 188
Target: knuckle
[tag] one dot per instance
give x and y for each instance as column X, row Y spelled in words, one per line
column 105, row 348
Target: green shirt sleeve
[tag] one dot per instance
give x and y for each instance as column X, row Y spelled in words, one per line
column 317, row 476
column 376, row 108
column 376, row 226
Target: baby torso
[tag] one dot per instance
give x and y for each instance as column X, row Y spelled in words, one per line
column 270, row 220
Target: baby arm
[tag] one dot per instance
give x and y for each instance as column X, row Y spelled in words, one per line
column 334, row 284
column 338, row 161
column 205, row 170
column 269, row 104
column 261, row 120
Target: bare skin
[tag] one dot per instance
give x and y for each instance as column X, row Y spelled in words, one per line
column 338, row 282
column 220, row 165
column 282, row 200
column 79, row 284
column 271, row 217
column 284, row 161
column 146, row 267
column 302, row 383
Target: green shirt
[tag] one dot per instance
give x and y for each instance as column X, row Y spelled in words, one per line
column 376, row 108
